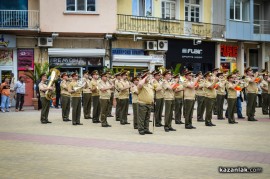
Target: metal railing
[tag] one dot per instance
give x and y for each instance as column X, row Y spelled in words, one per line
column 154, row 25
column 261, row 26
column 19, row 19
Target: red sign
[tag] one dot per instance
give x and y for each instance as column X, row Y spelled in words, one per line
column 229, row 51
column 25, row 59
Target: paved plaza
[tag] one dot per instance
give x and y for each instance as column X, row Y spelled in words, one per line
column 61, row 150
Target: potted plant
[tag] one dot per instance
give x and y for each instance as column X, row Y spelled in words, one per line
column 35, row 76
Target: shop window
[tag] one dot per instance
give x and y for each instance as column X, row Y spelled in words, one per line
column 81, row 5
column 142, row 7
column 239, row 10
column 193, row 10
column 168, row 9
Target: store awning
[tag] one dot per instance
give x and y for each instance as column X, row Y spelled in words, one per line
column 132, row 58
column 75, row 52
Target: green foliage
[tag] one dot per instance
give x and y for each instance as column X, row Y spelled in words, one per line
column 39, row 69
column 176, row 70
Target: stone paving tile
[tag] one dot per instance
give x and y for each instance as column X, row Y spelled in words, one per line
column 60, row 150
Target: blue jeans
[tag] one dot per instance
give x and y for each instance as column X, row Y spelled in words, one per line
column 4, row 102
column 239, row 107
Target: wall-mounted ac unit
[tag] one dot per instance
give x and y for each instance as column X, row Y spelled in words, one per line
column 45, row 42
column 163, row 45
column 151, row 45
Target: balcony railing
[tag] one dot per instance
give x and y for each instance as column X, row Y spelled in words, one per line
column 19, row 19
column 261, row 27
column 154, row 25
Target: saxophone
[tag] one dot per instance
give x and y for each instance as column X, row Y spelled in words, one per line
column 54, row 74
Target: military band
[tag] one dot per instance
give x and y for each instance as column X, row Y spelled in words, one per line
column 160, row 89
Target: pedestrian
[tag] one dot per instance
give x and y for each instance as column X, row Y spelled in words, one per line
column 232, row 96
column 252, row 89
column 215, row 71
column 65, row 97
column 87, row 96
column 76, row 97
column 124, row 87
column 159, row 98
column 189, row 98
column 210, row 97
column 264, row 87
column 5, row 95
column 178, row 101
column 111, row 81
column 95, row 96
column 12, row 90
column 145, row 101
column 57, row 92
column 169, row 100
column 116, row 95
column 44, row 101
column 220, row 95
column 200, row 96
column 105, row 94
column 20, row 92
column 134, row 91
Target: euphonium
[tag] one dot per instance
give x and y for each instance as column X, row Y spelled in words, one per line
column 80, row 85
column 54, row 74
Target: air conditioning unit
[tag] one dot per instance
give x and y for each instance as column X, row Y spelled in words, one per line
column 45, row 42
column 163, row 45
column 151, row 45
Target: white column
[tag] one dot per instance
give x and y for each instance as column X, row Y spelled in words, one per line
column 240, row 58
column 262, row 56
column 217, row 60
column 15, row 64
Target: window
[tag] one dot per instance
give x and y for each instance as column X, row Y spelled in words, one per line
column 192, row 10
column 81, row 5
column 239, row 10
column 14, row 5
column 142, row 7
column 168, row 9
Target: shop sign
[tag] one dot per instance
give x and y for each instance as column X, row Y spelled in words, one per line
column 7, row 41
column 76, row 61
column 195, row 53
column 6, row 57
column 25, row 59
column 229, row 51
column 127, row 51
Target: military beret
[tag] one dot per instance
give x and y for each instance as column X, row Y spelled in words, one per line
column 219, row 74
column 103, row 74
column 215, row 69
column 42, row 74
column 64, row 74
column 74, row 74
column 229, row 76
column 86, row 72
column 95, row 72
column 198, row 73
column 123, row 72
column 166, row 72
column 248, row 69
column 207, row 74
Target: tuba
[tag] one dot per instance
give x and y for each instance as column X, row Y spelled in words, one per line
column 54, row 74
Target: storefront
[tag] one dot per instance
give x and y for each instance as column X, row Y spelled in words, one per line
column 25, row 58
column 8, row 56
column 135, row 61
column 76, row 60
column 228, row 56
column 195, row 57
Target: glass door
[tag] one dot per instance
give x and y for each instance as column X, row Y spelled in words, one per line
column 5, row 74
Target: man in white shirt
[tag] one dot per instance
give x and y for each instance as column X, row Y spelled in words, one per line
column 20, row 92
